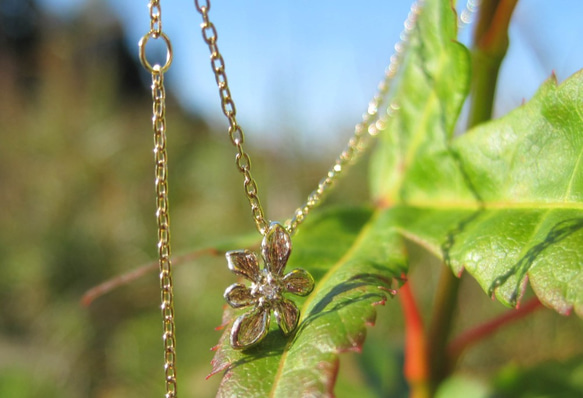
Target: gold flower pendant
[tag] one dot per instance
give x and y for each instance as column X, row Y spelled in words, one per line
column 267, row 288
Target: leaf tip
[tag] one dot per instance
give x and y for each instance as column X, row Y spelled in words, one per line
column 332, row 370
column 226, row 319
column 492, row 294
column 382, row 301
column 518, row 293
column 460, row 272
column 216, row 369
column 391, row 291
column 568, row 311
column 553, row 76
column 356, row 348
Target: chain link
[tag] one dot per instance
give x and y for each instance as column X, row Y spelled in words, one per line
column 155, row 18
column 161, row 187
column 467, row 15
column 242, row 160
column 369, row 126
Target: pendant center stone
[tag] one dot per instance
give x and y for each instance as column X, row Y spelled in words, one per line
column 268, row 288
column 270, row 292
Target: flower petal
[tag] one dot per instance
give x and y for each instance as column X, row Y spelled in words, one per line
column 249, row 329
column 287, row 315
column 298, row 282
column 276, row 248
column 244, row 263
column 238, row 295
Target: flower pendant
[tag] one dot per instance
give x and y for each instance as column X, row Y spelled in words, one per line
column 267, row 288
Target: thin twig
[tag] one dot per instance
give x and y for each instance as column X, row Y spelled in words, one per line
column 124, row 279
column 473, row 336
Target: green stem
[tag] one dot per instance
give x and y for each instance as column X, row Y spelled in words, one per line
column 490, row 45
column 440, row 327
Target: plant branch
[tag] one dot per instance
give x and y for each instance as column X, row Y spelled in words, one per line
column 490, row 45
column 440, row 327
column 128, row 277
column 473, row 336
column 416, row 364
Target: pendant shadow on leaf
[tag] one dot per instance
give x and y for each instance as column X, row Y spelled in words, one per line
column 272, row 345
column 275, row 343
column 353, row 285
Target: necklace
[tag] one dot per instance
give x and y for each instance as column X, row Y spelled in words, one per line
column 268, row 284
column 161, row 188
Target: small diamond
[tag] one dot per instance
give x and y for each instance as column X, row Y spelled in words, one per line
column 270, row 289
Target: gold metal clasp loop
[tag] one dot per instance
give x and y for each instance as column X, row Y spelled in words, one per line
column 206, row 5
column 169, row 54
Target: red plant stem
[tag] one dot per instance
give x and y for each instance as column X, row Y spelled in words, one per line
column 416, row 365
column 128, row 277
column 473, row 336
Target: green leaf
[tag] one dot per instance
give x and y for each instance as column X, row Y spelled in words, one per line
column 526, row 215
column 414, row 146
column 354, row 256
column 502, row 201
column 460, row 386
column 549, row 379
column 526, row 169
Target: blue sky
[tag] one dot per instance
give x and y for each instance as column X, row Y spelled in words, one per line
column 309, row 68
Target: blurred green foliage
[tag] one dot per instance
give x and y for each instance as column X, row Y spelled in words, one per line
column 77, row 200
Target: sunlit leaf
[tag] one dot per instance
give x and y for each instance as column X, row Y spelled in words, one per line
column 502, row 201
column 525, row 217
column 354, row 258
column 414, row 146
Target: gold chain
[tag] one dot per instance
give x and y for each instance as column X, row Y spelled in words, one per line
column 369, row 126
column 161, row 182
column 242, row 160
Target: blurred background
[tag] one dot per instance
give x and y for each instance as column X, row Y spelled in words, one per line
column 77, row 194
